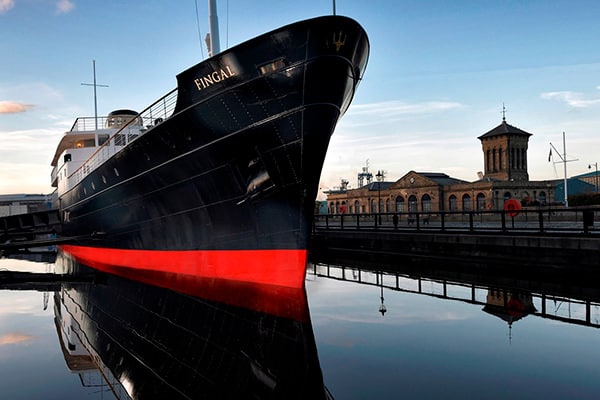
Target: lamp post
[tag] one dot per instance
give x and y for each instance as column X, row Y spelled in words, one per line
column 596, row 174
column 379, row 177
column 382, row 307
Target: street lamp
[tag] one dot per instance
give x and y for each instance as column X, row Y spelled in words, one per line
column 382, row 307
column 379, row 177
column 596, row 175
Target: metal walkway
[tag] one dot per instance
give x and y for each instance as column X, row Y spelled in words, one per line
column 20, row 232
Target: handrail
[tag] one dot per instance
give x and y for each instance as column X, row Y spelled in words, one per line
column 153, row 115
column 539, row 220
column 581, row 307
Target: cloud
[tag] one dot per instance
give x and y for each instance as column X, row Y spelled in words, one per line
column 397, row 108
column 6, row 5
column 12, row 107
column 573, row 99
column 12, row 338
column 64, row 6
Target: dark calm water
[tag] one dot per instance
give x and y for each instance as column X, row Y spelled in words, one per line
column 377, row 335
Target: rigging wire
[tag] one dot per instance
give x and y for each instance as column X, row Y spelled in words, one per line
column 227, row 27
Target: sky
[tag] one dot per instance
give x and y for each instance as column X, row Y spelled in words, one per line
column 438, row 76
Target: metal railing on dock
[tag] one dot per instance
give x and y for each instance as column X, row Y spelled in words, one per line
column 547, row 220
column 583, row 309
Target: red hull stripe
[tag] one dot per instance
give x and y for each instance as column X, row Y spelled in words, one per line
column 273, row 267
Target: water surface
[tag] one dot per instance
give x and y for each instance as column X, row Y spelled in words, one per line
column 377, row 334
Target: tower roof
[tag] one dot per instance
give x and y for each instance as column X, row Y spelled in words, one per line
column 504, row 129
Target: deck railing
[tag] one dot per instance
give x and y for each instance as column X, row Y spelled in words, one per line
column 152, row 116
column 540, row 220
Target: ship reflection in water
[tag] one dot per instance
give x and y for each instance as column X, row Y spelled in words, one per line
column 208, row 339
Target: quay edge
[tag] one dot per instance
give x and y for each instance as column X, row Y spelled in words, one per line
column 514, row 251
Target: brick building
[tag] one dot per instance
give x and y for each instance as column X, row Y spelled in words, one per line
column 506, row 177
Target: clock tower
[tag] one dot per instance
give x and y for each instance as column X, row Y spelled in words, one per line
column 505, row 153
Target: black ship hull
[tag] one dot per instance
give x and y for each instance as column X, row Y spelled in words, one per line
column 154, row 343
column 233, row 174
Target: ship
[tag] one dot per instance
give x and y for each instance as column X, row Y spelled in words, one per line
column 218, row 178
column 179, row 337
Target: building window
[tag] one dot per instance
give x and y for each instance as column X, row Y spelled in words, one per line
column 373, row 206
column 507, row 196
column 480, row 201
column 500, row 159
column 387, row 206
column 466, row 202
column 356, row 207
column 332, row 208
column 542, row 198
column 426, row 203
column 412, row 203
column 399, row 204
column 452, row 203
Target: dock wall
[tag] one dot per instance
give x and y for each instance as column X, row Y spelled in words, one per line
column 524, row 249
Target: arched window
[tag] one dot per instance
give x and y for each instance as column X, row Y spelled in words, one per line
column 331, row 208
column 373, row 206
column 412, row 203
column 507, row 196
column 399, row 204
column 337, row 207
column 426, row 203
column 452, row 203
column 542, row 198
column 387, row 205
column 480, row 201
column 466, row 202
column 356, row 206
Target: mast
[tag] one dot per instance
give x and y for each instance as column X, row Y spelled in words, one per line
column 95, row 85
column 564, row 160
column 214, row 46
column 565, row 169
